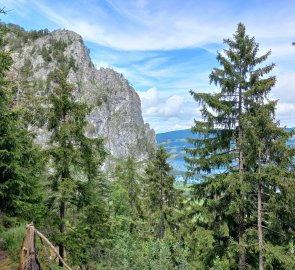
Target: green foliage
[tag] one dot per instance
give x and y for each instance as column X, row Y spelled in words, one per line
column 46, row 54
column 21, row 162
column 219, row 264
column 72, row 64
column 161, row 196
column 27, row 69
column 76, row 184
column 136, row 216
column 126, row 195
column 58, row 47
column 86, row 239
column 240, row 148
column 12, row 238
column 241, row 83
column 135, row 219
column 20, row 35
column 131, row 252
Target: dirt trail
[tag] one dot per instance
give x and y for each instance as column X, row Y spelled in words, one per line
column 2, row 255
column 5, row 263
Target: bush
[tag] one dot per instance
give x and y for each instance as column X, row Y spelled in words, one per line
column 130, row 252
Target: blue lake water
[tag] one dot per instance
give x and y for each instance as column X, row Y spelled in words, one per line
column 175, row 141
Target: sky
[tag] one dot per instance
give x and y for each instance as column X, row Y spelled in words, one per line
column 167, row 47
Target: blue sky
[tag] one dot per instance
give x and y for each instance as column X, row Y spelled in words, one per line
column 167, row 47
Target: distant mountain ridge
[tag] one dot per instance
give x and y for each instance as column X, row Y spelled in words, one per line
column 171, row 135
column 175, row 141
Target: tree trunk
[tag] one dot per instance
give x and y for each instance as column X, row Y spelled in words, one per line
column 260, row 235
column 29, row 257
column 242, row 249
column 259, row 218
column 62, row 210
column 162, row 225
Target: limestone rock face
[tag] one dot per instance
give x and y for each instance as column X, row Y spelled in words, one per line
column 115, row 106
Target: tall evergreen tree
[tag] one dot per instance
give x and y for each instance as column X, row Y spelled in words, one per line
column 161, row 194
column 70, row 151
column 220, row 149
column 269, row 168
column 21, row 163
column 127, row 195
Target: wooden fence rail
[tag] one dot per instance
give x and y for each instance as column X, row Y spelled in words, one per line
column 29, row 259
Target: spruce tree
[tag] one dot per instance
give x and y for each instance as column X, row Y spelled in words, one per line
column 21, row 163
column 75, row 159
column 127, row 195
column 161, row 194
column 269, row 169
column 220, row 148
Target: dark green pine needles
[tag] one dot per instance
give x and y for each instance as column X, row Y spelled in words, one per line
column 21, row 163
column 238, row 139
column 75, row 161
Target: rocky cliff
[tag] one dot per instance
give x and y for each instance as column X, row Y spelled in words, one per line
column 116, row 108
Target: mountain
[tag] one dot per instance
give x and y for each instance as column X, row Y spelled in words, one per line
column 115, row 106
column 174, row 142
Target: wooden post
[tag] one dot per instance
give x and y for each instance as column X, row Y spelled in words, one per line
column 52, row 248
column 29, row 258
column 28, row 255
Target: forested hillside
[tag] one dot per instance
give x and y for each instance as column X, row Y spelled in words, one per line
column 59, row 126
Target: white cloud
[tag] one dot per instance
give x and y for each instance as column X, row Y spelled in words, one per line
column 82, row 26
column 134, row 28
column 158, row 106
column 284, row 91
column 104, row 64
column 286, row 110
column 286, row 114
column 285, row 88
column 152, row 25
column 142, row 27
column 149, row 98
column 172, row 106
column 165, row 113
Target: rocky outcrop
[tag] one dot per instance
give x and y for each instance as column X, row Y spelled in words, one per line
column 116, row 108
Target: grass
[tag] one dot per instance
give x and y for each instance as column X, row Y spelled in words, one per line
column 12, row 240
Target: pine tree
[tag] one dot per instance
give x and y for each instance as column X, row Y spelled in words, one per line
column 269, row 168
column 75, row 159
column 220, row 149
column 127, row 195
column 21, row 163
column 89, row 234
column 161, row 194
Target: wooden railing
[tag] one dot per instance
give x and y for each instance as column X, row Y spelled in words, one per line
column 29, row 259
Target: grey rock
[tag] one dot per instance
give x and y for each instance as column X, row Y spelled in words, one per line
column 116, row 108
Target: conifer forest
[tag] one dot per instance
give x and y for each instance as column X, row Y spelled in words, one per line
column 233, row 209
